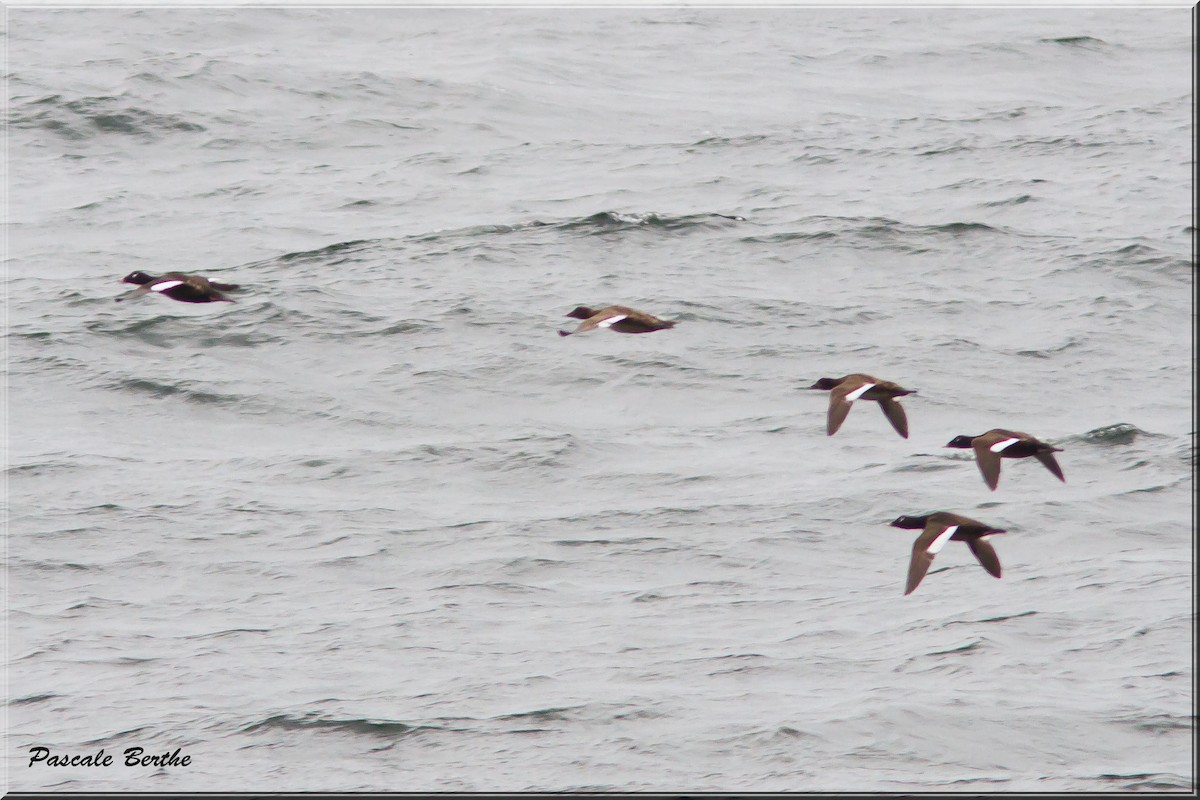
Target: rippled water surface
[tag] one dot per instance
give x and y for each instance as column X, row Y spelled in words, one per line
column 376, row 526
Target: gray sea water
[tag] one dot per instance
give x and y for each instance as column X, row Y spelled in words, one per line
column 375, row 526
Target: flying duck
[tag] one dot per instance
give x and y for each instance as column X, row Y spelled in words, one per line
column 177, row 286
column 937, row 529
column 844, row 391
column 617, row 318
column 998, row 443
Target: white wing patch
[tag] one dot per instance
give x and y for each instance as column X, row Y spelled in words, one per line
column 859, row 392
column 1001, row 446
column 940, row 542
column 162, row 287
column 604, row 323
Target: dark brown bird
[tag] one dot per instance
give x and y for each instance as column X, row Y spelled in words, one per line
column 178, row 286
column 617, row 318
column 844, row 391
column 937, row 529
column 998, row 443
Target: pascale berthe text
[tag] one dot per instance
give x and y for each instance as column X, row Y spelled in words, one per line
column 134, row 757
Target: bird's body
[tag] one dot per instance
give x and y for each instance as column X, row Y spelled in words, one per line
column 178, row 286
column 998, row 443
column 937, row 529
column 844, row 391
column 621, row 319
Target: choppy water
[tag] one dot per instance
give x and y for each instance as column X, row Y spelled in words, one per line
column 375, row 526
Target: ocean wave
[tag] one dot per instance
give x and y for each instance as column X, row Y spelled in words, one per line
column 33, row 698
column 504, row 455
column 377, row 728
column 1150, row 782
column 226, row 633
column 1120, row 433
column 43, row 468
column 1001, row 618
column 1020, row 199
column 1159, row 723
column 607, row 542
column 256, row 323
column 89, row 117
column 183, row 390
column 359, row 726
column 1137, row 263
column 599, row 223
column 880, row 232
column 1143, row 255
column 1049, row 352
column 730, row 141
column 471, row 236
column 611, row 221
column 352, row 324
column 942, row 151
column 55, row 566
column 168, row 331
column 556, row 714
column 492, row 587
column 1089, row 42
column 1050, row 145
column 322, row 254
column 929, row 466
